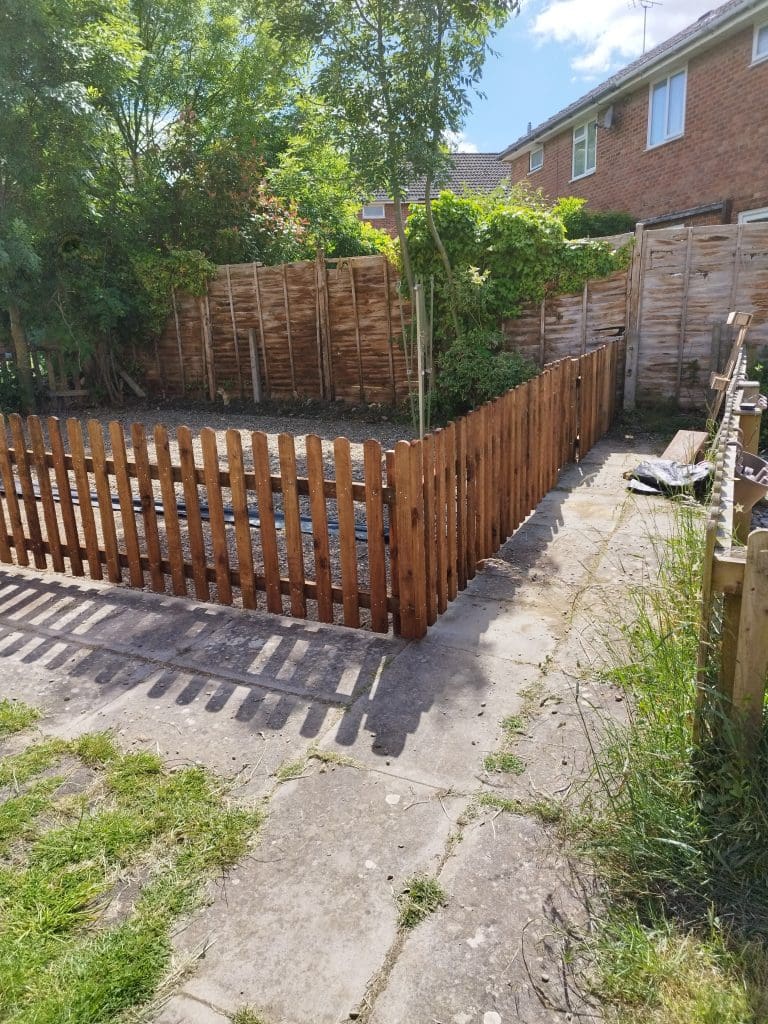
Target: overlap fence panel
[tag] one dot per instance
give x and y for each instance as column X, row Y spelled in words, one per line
column 379, row 539
column 324, row 329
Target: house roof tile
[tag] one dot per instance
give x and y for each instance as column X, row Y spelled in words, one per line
column 481, row 172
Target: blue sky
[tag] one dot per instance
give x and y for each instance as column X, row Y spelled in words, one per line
column 556, row 50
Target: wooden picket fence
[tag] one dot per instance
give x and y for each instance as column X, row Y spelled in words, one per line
column 390, row 549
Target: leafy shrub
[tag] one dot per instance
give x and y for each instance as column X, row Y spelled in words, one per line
column 474, row 369
column 582, row 223
column 10, row 395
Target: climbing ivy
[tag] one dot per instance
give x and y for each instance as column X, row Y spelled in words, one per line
column 160, row 273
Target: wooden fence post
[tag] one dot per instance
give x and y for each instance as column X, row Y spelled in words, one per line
column 634, row 312
column 752, row 645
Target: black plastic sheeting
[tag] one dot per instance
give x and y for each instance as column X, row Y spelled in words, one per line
column 361, row 532
column 665, row 476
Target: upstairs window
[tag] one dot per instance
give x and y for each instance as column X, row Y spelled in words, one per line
column 760, row 45
column 666, row 118
column 536, row 161
column 584, row 148
column 375, row 211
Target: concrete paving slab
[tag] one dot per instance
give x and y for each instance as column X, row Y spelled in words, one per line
column 501, row 629
column 433, row 715
column 493, row 954
column 292, row 655
column 300, row 927
column 183, row 1010
column 242, row 733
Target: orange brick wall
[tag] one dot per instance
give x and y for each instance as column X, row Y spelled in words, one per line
column 388, row 224
column 723, row 154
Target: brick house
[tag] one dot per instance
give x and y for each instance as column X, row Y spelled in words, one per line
column 480, row 172
column 680, row 136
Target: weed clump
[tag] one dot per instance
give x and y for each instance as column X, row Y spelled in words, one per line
column 15, row 716
column 421, row 897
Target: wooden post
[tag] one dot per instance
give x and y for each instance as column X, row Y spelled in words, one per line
column 207, row 350
column 179, row 344
column 684, row 313
column 634, row 317
column 257, row 292
column 584, row 308
column 752, row 647
column 388, row 310
column 235, row 339
column 324, row 328
column 361, row 383
column 288, row 328
column 542, row 333
column 255, row 373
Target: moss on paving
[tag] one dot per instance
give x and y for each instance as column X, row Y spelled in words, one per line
column 137, row 822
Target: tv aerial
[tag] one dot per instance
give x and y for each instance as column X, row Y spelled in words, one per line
column 646, row 6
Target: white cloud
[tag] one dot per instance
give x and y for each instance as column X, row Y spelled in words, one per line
column 609, row 33
column 457, row 142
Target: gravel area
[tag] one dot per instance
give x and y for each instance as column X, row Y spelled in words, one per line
column 326, row 426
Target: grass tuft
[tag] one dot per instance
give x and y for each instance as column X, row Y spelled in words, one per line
column 421, row 897
column 246, row 1015
column 504, row 762
column 291, row 770
column 16, row 716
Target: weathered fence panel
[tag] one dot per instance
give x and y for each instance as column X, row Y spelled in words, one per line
column 392, row 547
column 667, row 308
column 324, row 329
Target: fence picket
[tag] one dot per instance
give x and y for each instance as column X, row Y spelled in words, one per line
column 125, row 498
column 374, row 509
column 430, row 533
column 170, row 511
column 104, row 499
column 462, row 501
column 243, row 542
column 405, row 537
column 77, row 450
column 50, row 518
column 470, row 554
column 394, row 569
column 267, row 530
column 27, row 491
column 291, row 513
column 219, row 545
column 347, row 546
column 65, row 496
column 319, row 512
column 147, row 500
column 451, row 480
column 418, row 527
column 441, row 549
column 11, row 499
column 197, row 553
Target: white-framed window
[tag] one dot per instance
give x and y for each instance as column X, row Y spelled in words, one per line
column 584, row 148
column 374, row 211
column 666, row 109
column 753, row 216
column 760, row 44
column 536, row 159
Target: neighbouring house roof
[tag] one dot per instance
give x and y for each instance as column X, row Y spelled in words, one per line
column 480, row 172
column 700, row 32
